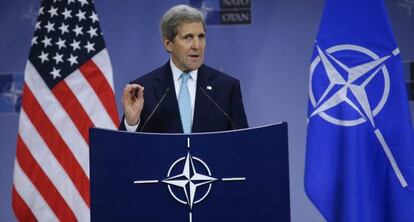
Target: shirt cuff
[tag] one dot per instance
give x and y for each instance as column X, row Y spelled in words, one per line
column 131, row 128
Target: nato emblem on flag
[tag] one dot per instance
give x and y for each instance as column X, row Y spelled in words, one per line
column 360, row 147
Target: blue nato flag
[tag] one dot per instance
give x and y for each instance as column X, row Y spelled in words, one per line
column 360, row 141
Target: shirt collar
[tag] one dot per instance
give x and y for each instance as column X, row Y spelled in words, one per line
column 177, row 72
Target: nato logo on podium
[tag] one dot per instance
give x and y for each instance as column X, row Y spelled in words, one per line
column 189, row 179
column 240, row 175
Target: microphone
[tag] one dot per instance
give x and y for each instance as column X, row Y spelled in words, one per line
column 219, row 108
column 167, row 90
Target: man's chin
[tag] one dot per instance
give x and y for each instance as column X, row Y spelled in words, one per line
column 194, row 66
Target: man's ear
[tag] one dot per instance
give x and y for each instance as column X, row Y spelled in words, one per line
column 168, row 45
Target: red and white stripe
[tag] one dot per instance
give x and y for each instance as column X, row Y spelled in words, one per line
column 51, row 175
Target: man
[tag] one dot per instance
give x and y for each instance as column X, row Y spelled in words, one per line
column 191, row 97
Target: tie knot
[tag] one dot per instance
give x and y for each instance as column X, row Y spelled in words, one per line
column 184, row 77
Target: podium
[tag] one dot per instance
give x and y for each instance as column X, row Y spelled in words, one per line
column 240, row 175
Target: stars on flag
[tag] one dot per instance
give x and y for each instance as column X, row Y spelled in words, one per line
column 47, row 42
column 92, row 32
column 90, row 46
column 41, row 10
column 80, row 15
column 43, row 57
column 75, row 45
column 55, row 73
column 53, row 12
column 34, row 40
column 50, row 27
column 67, row 13
column 94, row 17
column 37, row 26
column 78, row 30
column 65, row 35
column 73, row 59
column 61, row 43
column 64, row 28
column 58, row 58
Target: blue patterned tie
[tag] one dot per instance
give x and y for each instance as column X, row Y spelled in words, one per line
column 184, row 103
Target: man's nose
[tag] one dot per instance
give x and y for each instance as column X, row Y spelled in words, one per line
column 196, row 43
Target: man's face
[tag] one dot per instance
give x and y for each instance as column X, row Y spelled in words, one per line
column 187, row 48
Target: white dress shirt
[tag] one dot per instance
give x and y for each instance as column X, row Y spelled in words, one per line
column 191, row 84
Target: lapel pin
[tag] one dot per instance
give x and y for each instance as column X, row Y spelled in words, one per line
column 209, row 87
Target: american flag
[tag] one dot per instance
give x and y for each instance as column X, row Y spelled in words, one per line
column 68, row 88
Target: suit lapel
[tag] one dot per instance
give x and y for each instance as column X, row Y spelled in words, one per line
column 202, row 103
column 170, row 107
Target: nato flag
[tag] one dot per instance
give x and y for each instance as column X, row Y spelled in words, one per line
column 360, row 142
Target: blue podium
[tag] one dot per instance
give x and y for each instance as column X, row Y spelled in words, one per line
column 240, row 175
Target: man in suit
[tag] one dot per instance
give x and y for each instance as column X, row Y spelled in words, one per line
column 191, row 96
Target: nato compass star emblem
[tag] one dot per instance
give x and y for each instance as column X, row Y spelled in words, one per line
column 189, row 180
column 206, row 9
column 12, row 94
column 347, row 89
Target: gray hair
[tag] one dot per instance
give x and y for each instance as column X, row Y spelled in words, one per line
column 177, row 15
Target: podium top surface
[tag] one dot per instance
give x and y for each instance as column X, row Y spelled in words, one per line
column 218, row 132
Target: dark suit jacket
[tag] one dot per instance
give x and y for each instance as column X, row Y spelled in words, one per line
column 225, row 91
